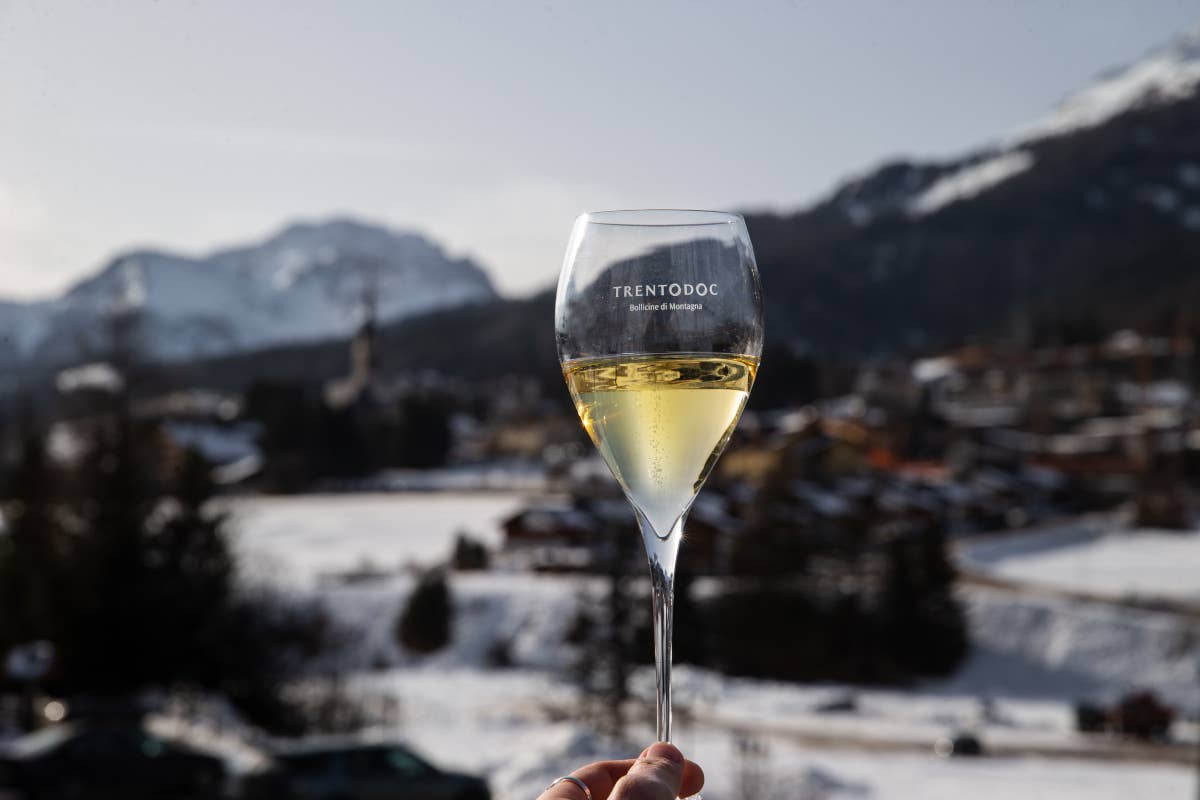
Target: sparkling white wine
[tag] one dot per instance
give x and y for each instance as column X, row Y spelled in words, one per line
column 661, row 421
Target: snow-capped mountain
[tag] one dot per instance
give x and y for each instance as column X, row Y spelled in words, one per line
column 309, row 281
column 1088, row 217
column 1164, row 76
column 1057, row 236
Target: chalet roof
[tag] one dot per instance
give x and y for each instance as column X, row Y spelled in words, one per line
column 549, row 518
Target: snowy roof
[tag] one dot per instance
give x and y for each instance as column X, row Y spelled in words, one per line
column 547, row 519
column 850, row 406
column 100, row 376
column 192, row 402
column 795, row 421
column 1158, row 393
column 220, row 444
column 237, row 471
column 925, row 370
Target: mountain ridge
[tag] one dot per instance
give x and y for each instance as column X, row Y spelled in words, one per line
column 1015, row 238
column 308, row 280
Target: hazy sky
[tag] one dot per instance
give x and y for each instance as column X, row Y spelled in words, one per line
column 188, row 125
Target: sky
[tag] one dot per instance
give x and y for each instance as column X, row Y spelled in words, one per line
column 189, row 126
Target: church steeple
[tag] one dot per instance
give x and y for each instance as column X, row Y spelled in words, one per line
column 364, row 358
column 363, row 355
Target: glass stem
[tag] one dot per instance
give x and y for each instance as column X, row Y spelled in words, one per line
column 664, row 602
column 662, row 553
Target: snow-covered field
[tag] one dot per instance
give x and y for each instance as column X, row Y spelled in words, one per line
column 1096, row 558
column 305, row 537
column 507, row 725
column 1043, row 646
column 1033, row 655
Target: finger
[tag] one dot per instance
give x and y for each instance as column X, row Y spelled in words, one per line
column 656, row 776
column 693, row 779
column 600, row 777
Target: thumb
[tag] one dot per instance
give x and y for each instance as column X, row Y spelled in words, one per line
column 657, row 775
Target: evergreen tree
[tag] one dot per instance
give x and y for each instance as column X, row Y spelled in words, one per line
column 469, row 554
column 899, row 603
column 425, row 624
column 139, row 590
column 944, row 635
column 122, row 564
column 190, row 579
column 869, row 603
column 110, row 645
column 924, row 625
column 33, row 550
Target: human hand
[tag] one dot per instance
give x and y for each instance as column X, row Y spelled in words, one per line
column 659, row 773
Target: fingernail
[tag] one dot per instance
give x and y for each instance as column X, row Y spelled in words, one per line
column 665, row 750
column 645, row 753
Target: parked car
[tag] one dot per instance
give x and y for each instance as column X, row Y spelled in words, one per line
column 1143, row 716
column 79, row 761
column 1139, row 714
column 365, row 772
column 960, row 744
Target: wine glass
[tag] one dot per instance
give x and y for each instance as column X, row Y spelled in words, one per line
column 659, row 326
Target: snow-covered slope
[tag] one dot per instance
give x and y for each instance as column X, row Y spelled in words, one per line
column 1033, row 655
column 1163, row 75
column 970, row 180
column 1034, row 644
column 306, row 282
column 1096, row 207
column 1094, row 558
